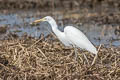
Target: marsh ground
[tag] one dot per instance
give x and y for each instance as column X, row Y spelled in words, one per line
column 30, row 52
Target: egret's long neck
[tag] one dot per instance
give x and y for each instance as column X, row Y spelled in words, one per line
column 55, row 27
column 61, row 36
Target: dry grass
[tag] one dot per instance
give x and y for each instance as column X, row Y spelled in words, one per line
column 45, row 59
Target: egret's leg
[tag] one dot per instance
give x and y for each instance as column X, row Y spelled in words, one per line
column 76, row 55
column 75, row 49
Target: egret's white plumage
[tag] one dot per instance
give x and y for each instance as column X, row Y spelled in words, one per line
column 71, row 36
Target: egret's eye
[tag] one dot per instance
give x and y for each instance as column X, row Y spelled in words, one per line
column 47, row 19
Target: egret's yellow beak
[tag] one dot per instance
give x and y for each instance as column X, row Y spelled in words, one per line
column 39, row 20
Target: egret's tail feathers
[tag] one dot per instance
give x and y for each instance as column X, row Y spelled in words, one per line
column 93, row 50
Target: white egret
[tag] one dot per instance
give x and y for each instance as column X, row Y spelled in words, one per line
column 71, row 36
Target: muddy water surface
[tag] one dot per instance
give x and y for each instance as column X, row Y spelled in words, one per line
column 19, row 23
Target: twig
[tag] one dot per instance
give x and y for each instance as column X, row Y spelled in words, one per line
column 35, row 43
column 41, row 52
column 6, row 67
column 86, row 59
column 94, row 60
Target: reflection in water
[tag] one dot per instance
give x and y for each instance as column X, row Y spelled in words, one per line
column 20, row 23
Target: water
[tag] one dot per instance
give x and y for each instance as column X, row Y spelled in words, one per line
column 19, row 23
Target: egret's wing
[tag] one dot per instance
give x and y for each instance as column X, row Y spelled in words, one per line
column 77, row 38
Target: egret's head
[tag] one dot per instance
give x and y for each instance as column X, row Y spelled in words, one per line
column 48, row 19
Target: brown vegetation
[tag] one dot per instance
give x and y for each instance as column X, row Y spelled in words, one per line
column 66, row 4
column 28, row 58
